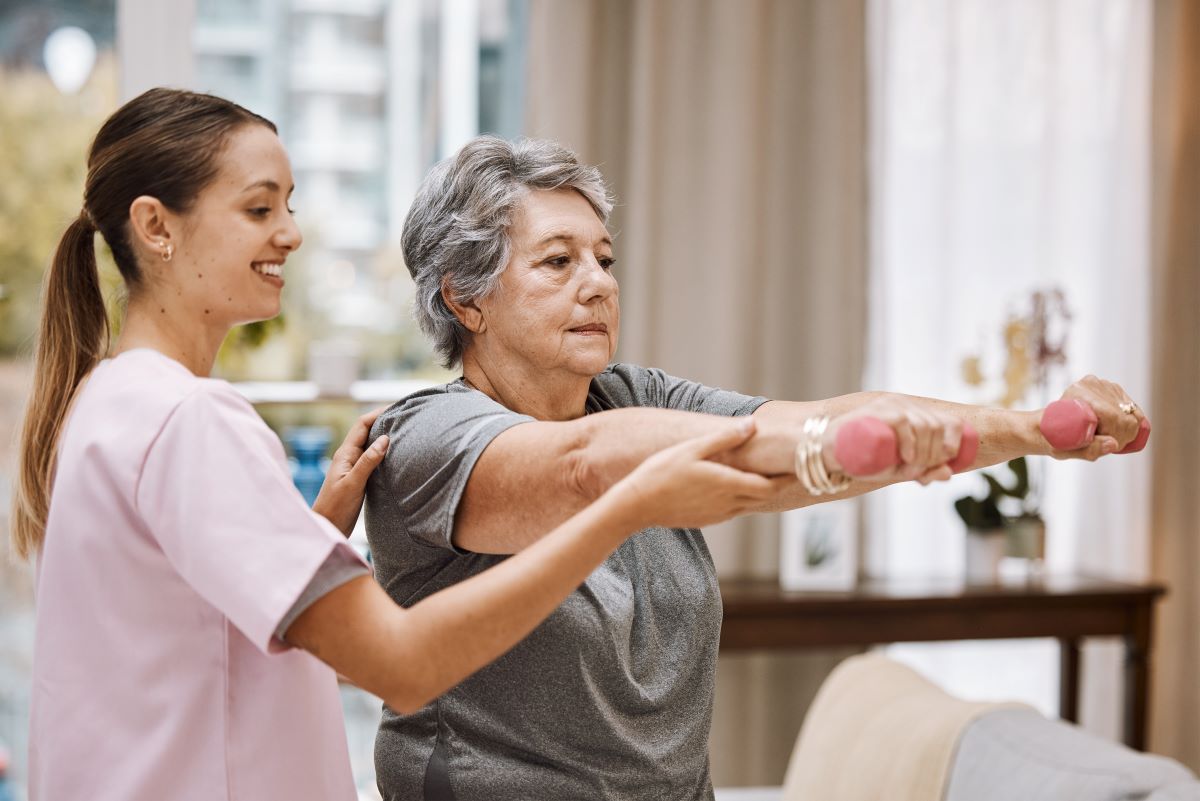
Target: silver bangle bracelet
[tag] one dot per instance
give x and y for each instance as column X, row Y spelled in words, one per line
column 810, row 466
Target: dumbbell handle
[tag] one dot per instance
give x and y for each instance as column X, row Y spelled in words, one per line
column 1070, row 424
column 865, row 446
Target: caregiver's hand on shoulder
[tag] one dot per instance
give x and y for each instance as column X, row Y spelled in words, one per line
column 341, row 496
column 926, row 440
column 681, row 487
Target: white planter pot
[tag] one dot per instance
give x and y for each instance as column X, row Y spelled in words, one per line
column 1027, row 538
column 985, row 550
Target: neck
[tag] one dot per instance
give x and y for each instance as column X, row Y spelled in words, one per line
column 560, row 396
column 170, row 329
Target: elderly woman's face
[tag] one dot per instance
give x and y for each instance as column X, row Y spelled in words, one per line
column 556, row 305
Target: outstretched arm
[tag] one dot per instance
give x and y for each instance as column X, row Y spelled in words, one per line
column 1003, row 434
column 410, row 656
column 534, row 476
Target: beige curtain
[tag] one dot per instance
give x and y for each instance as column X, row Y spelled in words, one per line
column 1175, row 720
column 734, row 136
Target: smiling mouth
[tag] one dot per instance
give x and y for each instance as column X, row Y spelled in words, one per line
column 270, row 268
column 592, row 328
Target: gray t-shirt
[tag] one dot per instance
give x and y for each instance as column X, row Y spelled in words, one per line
column 610, row 697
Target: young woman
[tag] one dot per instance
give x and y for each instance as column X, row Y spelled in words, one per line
column 176, row 563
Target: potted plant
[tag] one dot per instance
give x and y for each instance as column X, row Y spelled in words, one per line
column 1006, row 522
column 991, row 533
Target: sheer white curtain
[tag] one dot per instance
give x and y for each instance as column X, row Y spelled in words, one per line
column 1010, row 151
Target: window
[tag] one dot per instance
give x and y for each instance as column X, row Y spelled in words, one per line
column 367, row 99
column 994, row 125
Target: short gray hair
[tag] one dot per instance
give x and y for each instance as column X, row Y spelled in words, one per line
column 457, row 233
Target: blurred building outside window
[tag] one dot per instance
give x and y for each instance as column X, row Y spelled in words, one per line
column 368, row 95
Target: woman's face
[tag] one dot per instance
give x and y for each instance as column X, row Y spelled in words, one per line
column 555, row 308
column 229, row 260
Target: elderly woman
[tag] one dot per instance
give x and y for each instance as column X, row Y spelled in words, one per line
column 611, row 697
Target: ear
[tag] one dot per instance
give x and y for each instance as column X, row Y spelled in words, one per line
column 150, row 225
column 467, row 312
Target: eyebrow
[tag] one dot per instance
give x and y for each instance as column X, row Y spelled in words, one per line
column 268, row 184
column 560, row 236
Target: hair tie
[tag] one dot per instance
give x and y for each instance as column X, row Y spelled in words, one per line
column 87, row 218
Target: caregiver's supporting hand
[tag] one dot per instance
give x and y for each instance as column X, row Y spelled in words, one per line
column 683, row 486
column 341, row 496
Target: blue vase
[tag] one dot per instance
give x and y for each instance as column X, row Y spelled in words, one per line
column 308, row 445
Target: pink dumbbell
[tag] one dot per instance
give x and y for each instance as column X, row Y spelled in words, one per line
column 1070, row 424
column 867, row 445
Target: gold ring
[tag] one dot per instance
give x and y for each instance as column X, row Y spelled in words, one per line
column 1128, row 408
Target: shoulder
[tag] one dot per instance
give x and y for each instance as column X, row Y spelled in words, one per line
column 436, row 408
column 632, row 385
column 146, row 382
column 436, row 429
column 213, row 434
column 135, row 402
column 159, row 396
column 135, row 395
column 622, row 384
column 212, row 400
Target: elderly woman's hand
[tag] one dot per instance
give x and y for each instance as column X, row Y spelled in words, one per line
column 1119, row 418
column 341, row 496
column 925, row 439
column 682, row 487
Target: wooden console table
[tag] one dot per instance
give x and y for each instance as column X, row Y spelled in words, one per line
column 759, row 615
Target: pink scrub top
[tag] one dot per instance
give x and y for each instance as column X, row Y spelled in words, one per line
column 175, row 544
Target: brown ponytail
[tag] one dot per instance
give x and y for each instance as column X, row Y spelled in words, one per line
column 72, row 338
column 165, row 144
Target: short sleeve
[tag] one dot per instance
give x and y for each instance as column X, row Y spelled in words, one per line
column 216, row 494
column 337, row 569
column 624, row 385
column 436, row 437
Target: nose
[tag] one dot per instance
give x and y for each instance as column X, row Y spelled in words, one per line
column 288, row 236
column 597, row 283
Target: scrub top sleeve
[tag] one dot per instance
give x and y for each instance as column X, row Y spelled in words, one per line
column 216, row 494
